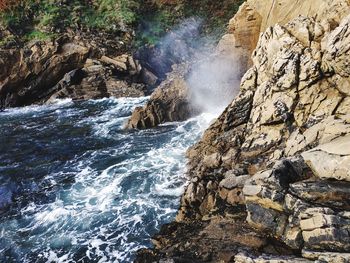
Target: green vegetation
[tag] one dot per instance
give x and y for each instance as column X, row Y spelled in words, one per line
column 165, row 14
column 38, row 35
column 151, row 19
column 52, row 15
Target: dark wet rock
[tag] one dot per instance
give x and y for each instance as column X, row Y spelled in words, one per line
column 68, row 68
column 212, row 241
column 101, row 78
column 329, row 193
column 169, row 102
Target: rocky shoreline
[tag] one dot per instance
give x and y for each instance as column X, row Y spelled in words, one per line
column 269, row 180
column 43, row 71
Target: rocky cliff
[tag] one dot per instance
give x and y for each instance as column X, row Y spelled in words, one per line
column 269, row 180
column 68, row 67
column 237, row 45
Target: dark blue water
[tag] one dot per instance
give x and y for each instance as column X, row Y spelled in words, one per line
column 76, row 187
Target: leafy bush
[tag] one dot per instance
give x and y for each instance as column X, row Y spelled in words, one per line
column 51, row 15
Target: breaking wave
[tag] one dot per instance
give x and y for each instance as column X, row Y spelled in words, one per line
column 76, row 187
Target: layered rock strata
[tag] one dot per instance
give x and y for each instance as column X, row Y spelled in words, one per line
column 243, row 33
column 66, row 68
column 276, row 160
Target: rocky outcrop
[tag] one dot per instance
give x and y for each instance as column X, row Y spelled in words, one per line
column 103, row 77
column 203, row 85
column 169, row 102
column 243, row 33
column 256, row 16
column 337, row 154
column 70, row 68
column 277, row 157
column 29, row 72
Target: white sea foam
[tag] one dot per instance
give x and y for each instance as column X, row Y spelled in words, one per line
column 120, row 193
column 37, row 108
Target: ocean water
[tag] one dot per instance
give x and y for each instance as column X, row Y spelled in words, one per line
column 76, row 187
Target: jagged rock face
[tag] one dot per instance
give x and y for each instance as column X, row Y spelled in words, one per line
column 44, row 71
column 279, row 150
column 241, row 39
column 29, row 72
column 290, row 101
column 256, row 16
column 100, row 78
column 169, row 102
column 204, row 85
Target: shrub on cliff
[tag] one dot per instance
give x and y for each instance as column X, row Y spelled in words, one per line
column 27, row 19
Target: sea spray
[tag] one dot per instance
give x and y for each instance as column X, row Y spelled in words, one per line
column 213, row 78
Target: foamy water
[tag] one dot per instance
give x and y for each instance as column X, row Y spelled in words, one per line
column 76, row 187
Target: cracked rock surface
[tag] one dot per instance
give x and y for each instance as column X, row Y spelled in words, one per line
column 276, row 162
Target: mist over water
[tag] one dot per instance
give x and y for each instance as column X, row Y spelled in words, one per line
column 76, row 187
column 213, row 83
column 214, row 77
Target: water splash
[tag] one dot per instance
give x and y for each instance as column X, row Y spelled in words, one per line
column 82, row 189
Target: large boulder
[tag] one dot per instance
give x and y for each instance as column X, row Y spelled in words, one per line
column 331, row 160
column 169, row 102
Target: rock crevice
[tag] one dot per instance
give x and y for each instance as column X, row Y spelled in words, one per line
column 277, row 157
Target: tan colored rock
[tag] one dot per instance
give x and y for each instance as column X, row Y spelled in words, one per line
column 294, row 98
column 324, row 229
column 326, row 256
column 117, row 63
column 335, row 58
column 318, row 221
column 255, row 16
column 33, row 71
column 232, row 181
column 243, row 258
column 331, row 160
